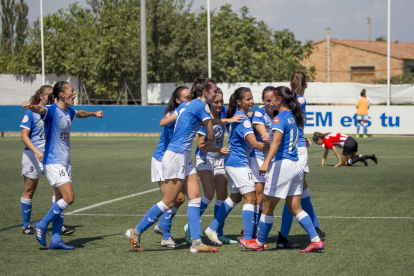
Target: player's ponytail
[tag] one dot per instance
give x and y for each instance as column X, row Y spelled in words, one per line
column 237, row 95
column 35, row 99
column 288, row 98
column 318, row 135
column 172, row 104
column 298, row 83
column 59, row 87
column 199, row 85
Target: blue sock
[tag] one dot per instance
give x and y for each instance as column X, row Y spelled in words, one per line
column 308, row 207
column 54, row 212
column 265, row 225
column 248, row 221
column 216, row 208
column 194, row 219
column 315, row 220
column 306, row 222
column 365, row 128
column 222, row 214
column 287, row 219
column 152, row 216
column 257, row 214
column 166, row 222
column 26, row 206
column 57, row 228
column 358, row 128
column 204, row 204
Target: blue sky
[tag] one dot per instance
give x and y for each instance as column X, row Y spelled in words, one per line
column 308, row 19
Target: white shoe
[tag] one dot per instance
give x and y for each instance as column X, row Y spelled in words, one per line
column 135, row 239
column 157, row 230
column 197, row 247
column 170, row 242
column 212, row 236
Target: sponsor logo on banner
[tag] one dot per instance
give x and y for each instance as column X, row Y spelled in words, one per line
column 207, row 108
column 276, row 120
column 25, row 119
column 247, row 124
column 258, row 114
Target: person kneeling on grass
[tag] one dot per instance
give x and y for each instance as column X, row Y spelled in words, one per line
column 349, row 145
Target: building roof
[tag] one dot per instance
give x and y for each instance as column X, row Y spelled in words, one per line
column 398, row 49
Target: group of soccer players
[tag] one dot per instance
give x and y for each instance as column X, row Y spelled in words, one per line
column 266, row 161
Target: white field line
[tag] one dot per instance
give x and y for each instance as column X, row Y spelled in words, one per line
column 235, row 216
column 110, row 201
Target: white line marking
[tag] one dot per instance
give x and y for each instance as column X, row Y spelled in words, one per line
column 109, row 201
column 235, row 216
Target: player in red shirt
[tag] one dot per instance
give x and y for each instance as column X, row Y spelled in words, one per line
column 348, row 144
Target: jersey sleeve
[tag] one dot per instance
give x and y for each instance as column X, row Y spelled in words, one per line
column 72, row 113
column 356, row 104
column 244, row 128
column 202, row 131
column 48, row 117
column 279, row 124
column 27, row 120
column 258, row 118
column 328, row 144
column 368, row 101
column 203, row 113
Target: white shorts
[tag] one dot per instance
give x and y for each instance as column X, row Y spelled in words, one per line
column 176, row 165
column 240, row 180
column 362, row 117
column 31, row 167
column 216, row 165
column 58, row 174
column 284, row 178
column 303, row 158
column 255, row 164
column 156, row 170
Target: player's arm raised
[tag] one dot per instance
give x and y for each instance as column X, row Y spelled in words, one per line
column 86, row 114
column 34, row 108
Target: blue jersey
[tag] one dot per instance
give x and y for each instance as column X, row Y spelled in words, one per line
column 239, row 147
column 260, row 117
column 302, row 102
column 285, row 123
column 57, row 131
column 219, row 131
column 34, row 123
column 190, row 116
column 165, row 139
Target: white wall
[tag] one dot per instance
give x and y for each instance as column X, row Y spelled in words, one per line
column 15, row 89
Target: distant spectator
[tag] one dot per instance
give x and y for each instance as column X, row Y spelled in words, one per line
column 362, row 106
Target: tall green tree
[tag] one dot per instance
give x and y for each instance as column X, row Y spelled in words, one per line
column 8, row 20
column 22, row 24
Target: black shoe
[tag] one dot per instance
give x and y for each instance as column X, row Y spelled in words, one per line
column 66, row 230
column 374, row 159
column 283, row 243
column 28, row 230
column 320, row 233
column 364, row 161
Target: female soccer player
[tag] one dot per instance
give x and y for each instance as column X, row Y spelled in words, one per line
column 349, row 145
column 298, row 84
column 58, row 119
column 177, row 165
column 236, row 164
column 180, row 95
column 284, row 179
column 210, row 166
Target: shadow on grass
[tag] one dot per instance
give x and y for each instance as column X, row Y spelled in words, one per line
column 79, row 243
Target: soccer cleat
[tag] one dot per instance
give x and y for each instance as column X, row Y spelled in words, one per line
column 357, row 136
column 320, row 233
column 135, row 239
column 314, row 247
column 225, row 240
column 157, row 230
column 60, row 245
column 252, row 244
column 212, row 236
column 375, row 159
column 187, row 235
column 66, row 230
column 40, row 234
column 365, row 136
column 198, row 247
column 283, row 243
column 364, row 161
column 170, row 242
column 28, row 230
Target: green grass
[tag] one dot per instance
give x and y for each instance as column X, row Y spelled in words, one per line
column 109, row 168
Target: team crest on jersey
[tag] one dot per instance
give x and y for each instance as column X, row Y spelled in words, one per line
column 258, row 114
column 40, row 125
column 62, row 123
column 301, row 100
column 247, row 124
column 276, row 120
column 207, row 108
column 291, row 120
column 25, row 119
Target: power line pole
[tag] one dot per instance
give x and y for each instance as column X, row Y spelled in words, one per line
column 42, row 43
column 144, row 76
column 208, row 38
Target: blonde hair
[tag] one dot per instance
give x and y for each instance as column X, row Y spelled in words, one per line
column 298, row 83
column 35, row 99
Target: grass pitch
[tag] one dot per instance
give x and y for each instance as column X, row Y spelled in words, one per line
column 366, row 212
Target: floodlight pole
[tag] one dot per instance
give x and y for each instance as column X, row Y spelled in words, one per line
column 208, row 38
column 144, row 76
column 389, row 55
column 41, row 38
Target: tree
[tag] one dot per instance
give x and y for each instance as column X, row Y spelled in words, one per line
column 21, row 11
column 8, row 19
column 381, row 38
